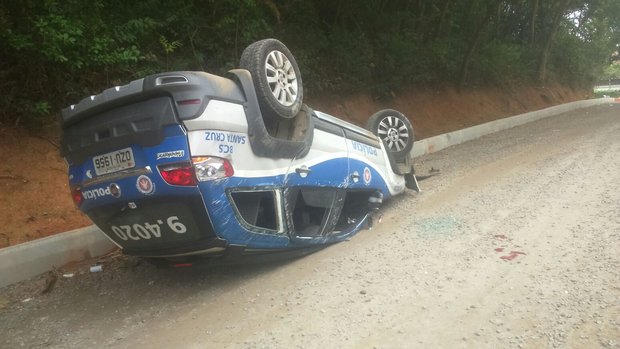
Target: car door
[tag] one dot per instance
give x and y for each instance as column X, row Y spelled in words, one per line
column 314, row 186
column 366, row 162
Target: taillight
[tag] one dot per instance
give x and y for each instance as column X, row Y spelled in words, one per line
column 211, row 168
column 202, row 169
column 189, row 102
column 76, row 195
column 178, row 174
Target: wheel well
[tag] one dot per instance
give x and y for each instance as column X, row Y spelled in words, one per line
column 283, row 139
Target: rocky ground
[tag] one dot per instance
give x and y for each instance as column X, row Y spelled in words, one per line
column 513, row 243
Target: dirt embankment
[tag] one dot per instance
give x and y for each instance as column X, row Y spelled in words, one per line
column 438, row 110
column 35, row 199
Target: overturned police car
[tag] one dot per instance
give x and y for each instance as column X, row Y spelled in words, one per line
column 185, row 165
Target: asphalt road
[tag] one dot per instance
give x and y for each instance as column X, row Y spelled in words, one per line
column 514, row 243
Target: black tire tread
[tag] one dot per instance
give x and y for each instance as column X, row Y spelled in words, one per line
column 252, row 59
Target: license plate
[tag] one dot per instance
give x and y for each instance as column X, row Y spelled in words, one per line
column 114, row 161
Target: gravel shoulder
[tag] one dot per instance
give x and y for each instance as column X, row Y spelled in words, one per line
column 514, row 243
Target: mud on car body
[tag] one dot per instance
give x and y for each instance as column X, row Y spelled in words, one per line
column 181, row 165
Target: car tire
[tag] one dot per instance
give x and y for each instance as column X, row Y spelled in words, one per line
column 276, row 77
column 395, row 132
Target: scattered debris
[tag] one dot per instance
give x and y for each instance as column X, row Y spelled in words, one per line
column 17, row 178
column 431, row 173
column 512, row 255
column 3, row 302
column 96, row 268
column 50, row 281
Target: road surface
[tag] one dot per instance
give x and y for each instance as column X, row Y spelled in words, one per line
column 515, row 242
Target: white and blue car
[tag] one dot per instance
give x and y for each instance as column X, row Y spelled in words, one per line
column 180, row 166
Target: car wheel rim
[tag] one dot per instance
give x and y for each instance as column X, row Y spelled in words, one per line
column 394, row 133
column 281, row 78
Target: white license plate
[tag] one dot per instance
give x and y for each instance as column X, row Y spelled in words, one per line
column 114, row 161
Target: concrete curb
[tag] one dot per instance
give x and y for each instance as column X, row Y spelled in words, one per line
column 442, row 141
column 23, row 261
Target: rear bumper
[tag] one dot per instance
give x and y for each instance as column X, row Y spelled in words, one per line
column 208, row 247
column 162, row 226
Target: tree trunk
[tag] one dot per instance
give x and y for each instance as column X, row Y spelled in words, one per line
column 546, row 49
column 532, row 36
column 420, row 19
column 476, row 41
column 442, row 20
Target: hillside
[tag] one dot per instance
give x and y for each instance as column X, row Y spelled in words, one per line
column 35, row 197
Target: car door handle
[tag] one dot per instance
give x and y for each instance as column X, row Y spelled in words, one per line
column 303, row 171
column 355, row 176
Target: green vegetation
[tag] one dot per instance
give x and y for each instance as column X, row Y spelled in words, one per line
column 55, row 52
column 599, row 94
column 612, row 72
